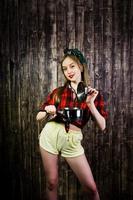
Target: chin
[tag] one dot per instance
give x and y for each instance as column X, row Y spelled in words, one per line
column 74, row 81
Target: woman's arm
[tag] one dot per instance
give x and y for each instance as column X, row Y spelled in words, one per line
column 51, row 109
column 96, row 114
column 41, row 115
column 99, row 118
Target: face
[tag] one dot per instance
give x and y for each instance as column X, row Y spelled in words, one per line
column 72, row 70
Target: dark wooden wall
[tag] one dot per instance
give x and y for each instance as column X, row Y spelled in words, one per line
column 33, row 34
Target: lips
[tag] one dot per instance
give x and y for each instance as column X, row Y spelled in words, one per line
column 71, row 76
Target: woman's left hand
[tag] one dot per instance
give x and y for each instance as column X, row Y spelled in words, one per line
column 92, row 94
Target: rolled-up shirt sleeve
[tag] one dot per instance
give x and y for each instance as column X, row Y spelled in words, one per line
column 100, row 105
column 50, row 100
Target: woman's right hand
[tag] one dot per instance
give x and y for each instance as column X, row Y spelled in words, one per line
column 51, row 109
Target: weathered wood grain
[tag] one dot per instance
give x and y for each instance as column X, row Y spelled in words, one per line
column 33, row 35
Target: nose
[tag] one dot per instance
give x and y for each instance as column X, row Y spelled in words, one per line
column 69, row 70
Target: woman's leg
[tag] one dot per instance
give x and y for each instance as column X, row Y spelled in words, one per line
column 50, row 163
column 81, row 168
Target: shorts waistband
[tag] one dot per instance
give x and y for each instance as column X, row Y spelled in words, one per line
column 63, row 126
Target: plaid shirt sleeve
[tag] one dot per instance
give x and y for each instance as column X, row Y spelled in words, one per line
column 49, row 100
column 100, row 105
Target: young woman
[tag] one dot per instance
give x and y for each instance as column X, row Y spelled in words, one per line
column 59, row 137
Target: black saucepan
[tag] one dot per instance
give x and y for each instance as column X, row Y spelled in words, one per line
column 71, row 114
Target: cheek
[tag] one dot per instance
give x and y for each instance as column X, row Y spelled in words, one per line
column 78, row 72
column 65, row 74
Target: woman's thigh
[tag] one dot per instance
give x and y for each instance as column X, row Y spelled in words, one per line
column 50, row 163
column 81, row 168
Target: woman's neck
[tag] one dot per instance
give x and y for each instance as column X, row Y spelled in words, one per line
column 74, row 85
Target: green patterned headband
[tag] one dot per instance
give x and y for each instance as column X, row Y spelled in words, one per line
column 77, row 53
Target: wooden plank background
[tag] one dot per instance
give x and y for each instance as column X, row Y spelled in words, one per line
column 33, row 34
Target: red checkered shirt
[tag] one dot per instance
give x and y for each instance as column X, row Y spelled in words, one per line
column 67, row 99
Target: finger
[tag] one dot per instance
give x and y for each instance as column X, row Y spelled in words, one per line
column 91, row 91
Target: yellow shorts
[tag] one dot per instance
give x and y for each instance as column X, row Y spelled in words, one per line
column 54, row 139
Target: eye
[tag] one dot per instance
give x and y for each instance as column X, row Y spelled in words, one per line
column 64, row 68
column 72, row 66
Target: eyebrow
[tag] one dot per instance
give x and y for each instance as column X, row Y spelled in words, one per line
column 69, row 64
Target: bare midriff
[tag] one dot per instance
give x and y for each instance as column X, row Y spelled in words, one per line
column 73, row 127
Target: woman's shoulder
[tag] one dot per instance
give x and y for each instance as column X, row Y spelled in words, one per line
column 57, row 89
